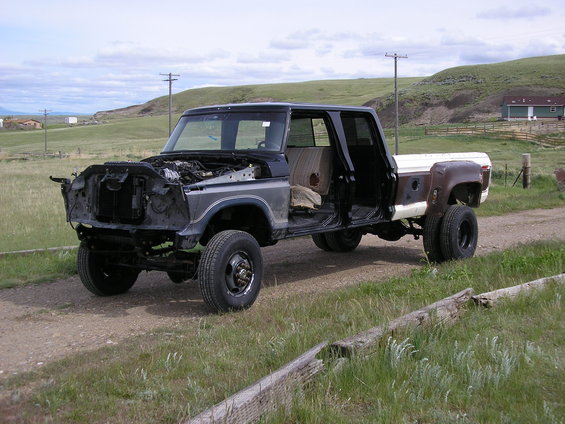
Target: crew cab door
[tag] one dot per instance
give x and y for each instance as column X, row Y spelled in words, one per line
column 368, row 173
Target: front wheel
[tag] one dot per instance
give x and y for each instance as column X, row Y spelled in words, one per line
column 102, row 277
column 459, row 233
column 230, row 271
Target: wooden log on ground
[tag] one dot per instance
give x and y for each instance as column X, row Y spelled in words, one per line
column 490, row 298
column 268, row 394
column 445, row 310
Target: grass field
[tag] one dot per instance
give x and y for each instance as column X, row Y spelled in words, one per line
column 494, row 366
column 120, row 137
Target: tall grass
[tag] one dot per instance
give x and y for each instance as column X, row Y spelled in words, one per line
column 490, row 363
column 495, row 366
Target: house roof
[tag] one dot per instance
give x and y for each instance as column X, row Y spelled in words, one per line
column 534, row 100
column 23, row 121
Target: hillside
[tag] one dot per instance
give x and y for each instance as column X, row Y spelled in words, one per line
column 474, row 93
column 464, row 93
column 347, row 92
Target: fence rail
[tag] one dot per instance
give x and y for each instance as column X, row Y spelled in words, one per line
column 498, row 130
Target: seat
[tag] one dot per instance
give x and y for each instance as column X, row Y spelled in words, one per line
column 311, row 167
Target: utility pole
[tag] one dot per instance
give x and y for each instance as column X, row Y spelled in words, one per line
column 45, row 112
column 396, row 57
column 170, row 81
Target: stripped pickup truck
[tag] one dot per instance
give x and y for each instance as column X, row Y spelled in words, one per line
column 233, row 178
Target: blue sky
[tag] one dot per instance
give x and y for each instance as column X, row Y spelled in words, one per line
column 90, row 56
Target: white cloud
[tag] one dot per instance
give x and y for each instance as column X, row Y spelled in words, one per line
column 89, row 57
column 534, row 10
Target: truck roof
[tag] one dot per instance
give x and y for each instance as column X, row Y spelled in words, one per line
column 281, row 106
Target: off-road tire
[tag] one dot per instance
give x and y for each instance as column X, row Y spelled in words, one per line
column 459, row 233
column 230, row 271
column 100, row 276
column 431, row 238
column 343, row 240
column 320, row 242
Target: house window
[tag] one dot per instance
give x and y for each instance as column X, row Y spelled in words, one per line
column 553, row 109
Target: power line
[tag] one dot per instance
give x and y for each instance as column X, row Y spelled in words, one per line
column 170, row 81
column 396, row 57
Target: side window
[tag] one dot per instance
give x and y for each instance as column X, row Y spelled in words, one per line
column 358, row 129
column 308, row 132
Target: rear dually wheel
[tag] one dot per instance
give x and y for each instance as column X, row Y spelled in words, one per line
column 459, row 233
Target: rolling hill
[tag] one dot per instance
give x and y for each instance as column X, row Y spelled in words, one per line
column 460, row 94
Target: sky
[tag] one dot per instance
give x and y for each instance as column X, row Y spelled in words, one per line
column 84, row 57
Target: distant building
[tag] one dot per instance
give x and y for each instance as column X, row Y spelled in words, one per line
column 70, row 120
column 532, row 107
column 22, row 124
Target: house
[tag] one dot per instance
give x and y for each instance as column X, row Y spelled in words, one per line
column 22, row 124
column 532, row 107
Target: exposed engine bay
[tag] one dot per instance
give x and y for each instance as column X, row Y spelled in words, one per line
column 190, row 171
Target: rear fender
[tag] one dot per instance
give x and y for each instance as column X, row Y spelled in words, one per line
column 454, row 181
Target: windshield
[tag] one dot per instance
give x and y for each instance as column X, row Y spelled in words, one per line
column 229, row 131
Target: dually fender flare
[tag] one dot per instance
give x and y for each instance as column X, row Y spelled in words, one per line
column 446, row 176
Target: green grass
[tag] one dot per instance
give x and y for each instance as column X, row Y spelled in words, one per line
column 120, row 137
column 502, row 199
column 541, row 71
column 480, row 371
column 511, row 355
column 343, row 92
column 18, row 270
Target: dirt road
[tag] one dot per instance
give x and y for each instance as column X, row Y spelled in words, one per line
column 42, row 323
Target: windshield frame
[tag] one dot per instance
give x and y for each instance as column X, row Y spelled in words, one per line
column 232, row 130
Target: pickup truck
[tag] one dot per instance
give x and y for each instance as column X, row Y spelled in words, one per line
column 234, row 178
